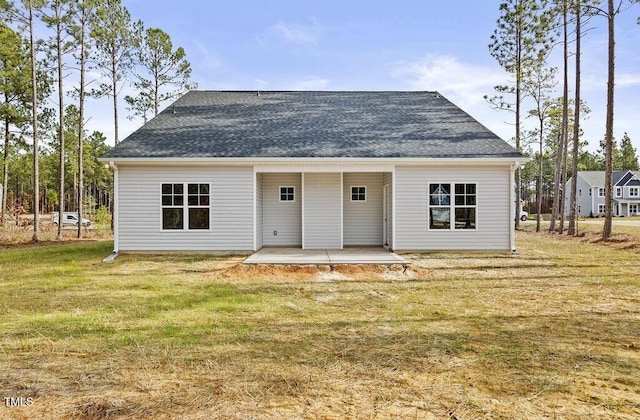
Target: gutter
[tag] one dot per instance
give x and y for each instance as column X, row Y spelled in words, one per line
column 115, row 215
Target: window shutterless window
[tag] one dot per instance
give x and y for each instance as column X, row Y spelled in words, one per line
column 445, row 213
column 191, row 213
column 358, row 193
column 287, row 194
column 633, row 191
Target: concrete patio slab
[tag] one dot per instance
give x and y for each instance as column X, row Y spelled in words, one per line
column 299, row 256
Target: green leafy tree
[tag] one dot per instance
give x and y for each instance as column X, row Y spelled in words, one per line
column 112, row 31
column 161, row 72
column 628, row 156
column 25, row 13
column 15, row 87
column 522, row 38
column 588, row 161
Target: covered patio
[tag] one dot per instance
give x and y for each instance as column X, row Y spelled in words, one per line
column 297, row 256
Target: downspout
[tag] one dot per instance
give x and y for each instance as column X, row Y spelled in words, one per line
column 114, row 254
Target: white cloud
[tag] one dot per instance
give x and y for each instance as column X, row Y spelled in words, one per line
column 291, row 33
column 628, row 79
column 206, row 59
column 462, row 83
column 466, row 84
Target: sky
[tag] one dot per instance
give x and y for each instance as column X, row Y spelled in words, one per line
column 376, row 45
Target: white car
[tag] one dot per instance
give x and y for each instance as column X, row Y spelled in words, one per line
column 69, row 219
column 524, row 216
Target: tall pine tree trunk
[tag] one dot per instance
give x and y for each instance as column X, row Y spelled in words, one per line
column 5, row 170
column 573, row 211
column 540, row 179
column 561, row 158
column 81, row 117
column 608, row 170
column 114, row 84
column 61, row 121
column 34, row 122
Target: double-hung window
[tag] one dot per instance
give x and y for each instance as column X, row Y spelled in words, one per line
column 185, row 206
column 452, row 206
column 633, row 191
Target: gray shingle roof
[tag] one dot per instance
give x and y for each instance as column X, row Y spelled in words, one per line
column 208, row 124
column 596, row 178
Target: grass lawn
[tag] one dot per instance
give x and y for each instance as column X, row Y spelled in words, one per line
column 551, row 333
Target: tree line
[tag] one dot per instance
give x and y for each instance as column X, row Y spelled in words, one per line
column 50, row 54
column 526, row 34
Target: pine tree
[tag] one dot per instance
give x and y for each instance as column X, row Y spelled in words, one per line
column 112, row 32
column 15, row 85
column 539, row 85
column 628, row 156
column 522, row 38
column 60, row 20
column 162, row 73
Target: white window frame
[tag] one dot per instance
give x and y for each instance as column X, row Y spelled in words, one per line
column 634, row 191
column 452, row 206
column 286, row 193
column 631, row 212
column 601, row 192
column 185, row 206
column 618, row 192
column 358, row 193
column 602, row 208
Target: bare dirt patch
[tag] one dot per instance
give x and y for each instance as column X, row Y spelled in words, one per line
column 302, row 273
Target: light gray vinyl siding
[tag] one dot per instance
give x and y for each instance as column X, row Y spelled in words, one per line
column 140, row 210
column 283, row 217
column 363, row 219
column 322, row 210
column 259, row 210
column 492, row 214
column 583, row 199
column 387, row 179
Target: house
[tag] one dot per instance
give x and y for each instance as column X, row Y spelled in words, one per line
column 238, row 171
column 590, row 193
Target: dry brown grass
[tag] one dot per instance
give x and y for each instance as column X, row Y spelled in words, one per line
column 13, row 235
column 551, row 333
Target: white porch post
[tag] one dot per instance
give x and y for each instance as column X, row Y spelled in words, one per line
column 255, row 210
column 302, row 205
column 393, row 245
column 341, row 210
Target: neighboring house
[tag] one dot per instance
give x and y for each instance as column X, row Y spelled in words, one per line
column 590, row 193
column 238, row 171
